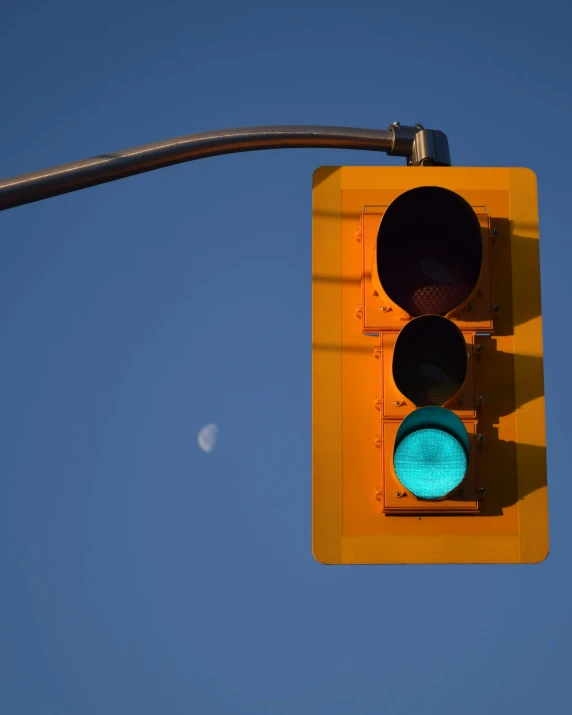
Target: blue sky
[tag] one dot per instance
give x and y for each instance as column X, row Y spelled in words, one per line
column 139, row 573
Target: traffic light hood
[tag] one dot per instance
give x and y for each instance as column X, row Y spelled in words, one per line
column 437, row 418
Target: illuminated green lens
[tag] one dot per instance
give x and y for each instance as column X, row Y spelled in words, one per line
column 430, row 463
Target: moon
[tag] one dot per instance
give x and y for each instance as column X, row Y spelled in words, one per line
column 207, row 437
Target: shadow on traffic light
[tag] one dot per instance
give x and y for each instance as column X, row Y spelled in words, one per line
column 496, row 373
column 506, row 249
column 344, row 348
column 322, row 278
column 500, row 462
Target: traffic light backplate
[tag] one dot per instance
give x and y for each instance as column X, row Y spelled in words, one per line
column 428, row 400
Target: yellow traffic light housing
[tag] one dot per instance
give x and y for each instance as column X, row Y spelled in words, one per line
column 428, row 410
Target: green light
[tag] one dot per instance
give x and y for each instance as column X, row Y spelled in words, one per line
column 430, row 463
column 431, row 454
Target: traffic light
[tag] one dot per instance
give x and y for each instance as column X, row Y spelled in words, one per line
column 428, row 399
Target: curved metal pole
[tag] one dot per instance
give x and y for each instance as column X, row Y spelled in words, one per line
column 38, row 185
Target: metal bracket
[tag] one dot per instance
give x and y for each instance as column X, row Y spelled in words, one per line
column 420, row 146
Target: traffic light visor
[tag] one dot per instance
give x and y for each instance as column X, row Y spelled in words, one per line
column 429, row 251
column 431, row 453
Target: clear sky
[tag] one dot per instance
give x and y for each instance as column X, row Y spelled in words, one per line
column 140, row 574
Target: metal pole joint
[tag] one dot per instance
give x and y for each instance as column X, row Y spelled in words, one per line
column 420, row 146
